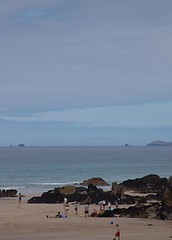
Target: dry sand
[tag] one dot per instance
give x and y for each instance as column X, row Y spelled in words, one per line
column 28, row 221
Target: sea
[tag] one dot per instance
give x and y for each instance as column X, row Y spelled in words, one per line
column 39, row 169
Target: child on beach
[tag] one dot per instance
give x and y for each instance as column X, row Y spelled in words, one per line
column 117, row 234
column 94, row 213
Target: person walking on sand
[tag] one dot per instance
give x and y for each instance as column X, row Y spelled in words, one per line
column 117, row 233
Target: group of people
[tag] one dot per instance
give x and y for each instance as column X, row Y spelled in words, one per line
column 102, row 205
column 86, row 211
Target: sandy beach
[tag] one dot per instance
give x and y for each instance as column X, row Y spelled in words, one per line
column 28, row 221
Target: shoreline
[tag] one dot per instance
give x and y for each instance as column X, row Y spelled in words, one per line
column 40, row 190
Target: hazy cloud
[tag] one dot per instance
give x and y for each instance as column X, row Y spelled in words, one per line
column 96, row 56
column 154, row 115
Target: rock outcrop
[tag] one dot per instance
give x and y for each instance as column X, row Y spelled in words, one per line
column 149, row 184
column 150, row 211
column 118, row 190
column 8, row 193
column 79, row 194
column 142, row 206
column 95, row 181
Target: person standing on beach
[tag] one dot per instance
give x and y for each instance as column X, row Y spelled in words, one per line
column 101, row 205
column 88, row 200
column 76, row 207
column 86, row 210
column 104, row 204
column 109, row 206
column 66, row 209
column 65, row 201
column 20, row 196
column 117, row 234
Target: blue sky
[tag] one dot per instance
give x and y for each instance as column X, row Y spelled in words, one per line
column 85, row 72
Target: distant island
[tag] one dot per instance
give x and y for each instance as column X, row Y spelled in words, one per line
column 159, row 144
column 21, row 145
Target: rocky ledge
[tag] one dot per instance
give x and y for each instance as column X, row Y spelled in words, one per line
column 149, row 184
column 8, row 193
column 157, row 205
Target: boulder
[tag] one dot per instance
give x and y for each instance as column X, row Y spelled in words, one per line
column 94, row 181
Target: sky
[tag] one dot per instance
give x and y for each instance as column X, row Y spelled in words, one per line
column 85, row 72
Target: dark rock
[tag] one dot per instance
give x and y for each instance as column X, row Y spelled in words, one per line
column 166, row 209
column 170, row 181
column 149, row 184
column 136, row 211
column 117, row 190
column 94, row 181
column 79, row 194
column 139, row 211
column 8, row 193
column 141, row 207
column 21, row 145
column 167, row 197
column 58, row 194
column 152, row 211
column 129, row 200
column 107, row 213
column 141, row 200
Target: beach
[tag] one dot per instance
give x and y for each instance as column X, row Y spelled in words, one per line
column 28, row 222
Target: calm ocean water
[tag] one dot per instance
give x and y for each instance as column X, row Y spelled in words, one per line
column 38, row 169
